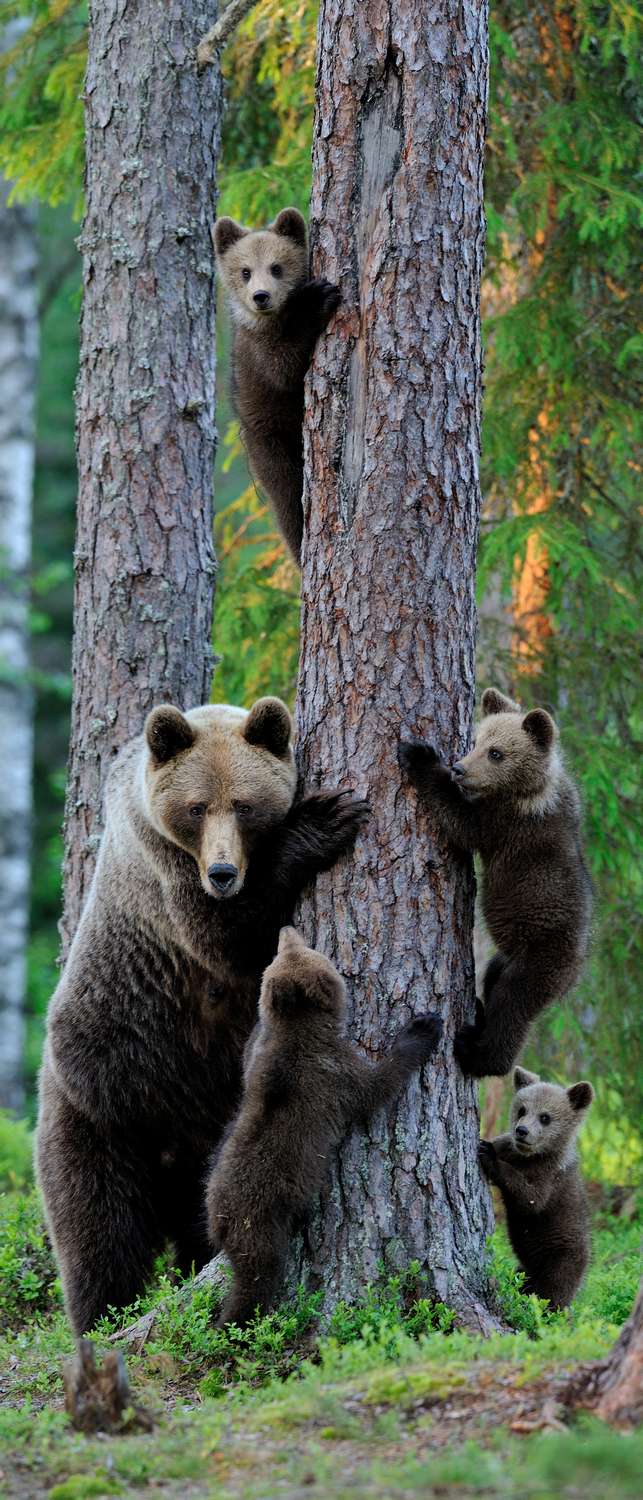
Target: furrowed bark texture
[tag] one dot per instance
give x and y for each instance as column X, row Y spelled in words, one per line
column 392, row 506
column 18, row 376
column 145, row 403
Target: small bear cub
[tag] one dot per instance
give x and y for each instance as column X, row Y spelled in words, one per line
column 536, row 1170
column 277, row 316
column 304, row 1084
column 511, row 800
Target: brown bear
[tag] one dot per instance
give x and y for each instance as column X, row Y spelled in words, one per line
column 536, row 1170
column 277, row 317
column 304, row 1084
column 205, row 851
column 511, row 800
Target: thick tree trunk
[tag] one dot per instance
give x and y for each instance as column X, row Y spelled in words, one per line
column 18, row 374
column 144, row 557
column 613, row 1387
column 392, row 506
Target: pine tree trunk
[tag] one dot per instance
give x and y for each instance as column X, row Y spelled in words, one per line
column 18, row 375
column 392, row 507
column 145, row 403
column 613, row 1387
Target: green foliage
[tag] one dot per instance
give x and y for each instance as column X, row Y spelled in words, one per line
column 27, row 1271
column 256, row 627
column 16, row 1166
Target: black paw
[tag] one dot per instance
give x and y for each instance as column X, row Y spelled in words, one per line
column 418, row 1041
column 474, row 1056
column 416, row 759
column 330, row 822
column 487, row 1157
column 325, row 294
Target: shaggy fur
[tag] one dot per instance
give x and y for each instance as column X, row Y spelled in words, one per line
column 277, row 316
column 511, row 800
column 536, row 1170
column 304, row 1084
column 142, row 1067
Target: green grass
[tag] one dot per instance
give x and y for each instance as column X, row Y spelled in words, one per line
column 387, row 1398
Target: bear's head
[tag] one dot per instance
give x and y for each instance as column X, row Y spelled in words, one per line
column 515, row 755
column 216, row 778
column 261, row 267
column 545, row 1116
column 300, row 980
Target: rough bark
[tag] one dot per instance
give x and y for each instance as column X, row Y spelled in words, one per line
column 388, row 624
column 18, row 374
column 613, row 1387
column 145, row 434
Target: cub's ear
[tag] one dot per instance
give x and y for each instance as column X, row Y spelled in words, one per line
column 269, row 725
column 167, row 732
column 580, row 1096
column 522, row 1078
column 226, row 233
column 540, row 727
column 292, row 225
column 494, row 702
column 290, row 941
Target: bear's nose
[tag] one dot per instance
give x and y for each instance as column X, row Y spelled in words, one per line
column 458, row 769
column 261, row 298
column 521, row 1132
column 222, row 877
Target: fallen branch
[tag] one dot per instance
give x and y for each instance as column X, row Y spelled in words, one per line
column 218, row 34
column 136, row 1335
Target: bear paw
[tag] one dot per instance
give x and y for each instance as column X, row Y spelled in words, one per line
column 474, row 1055
column 329, row 822
column 418, row 1041
column 416, row 759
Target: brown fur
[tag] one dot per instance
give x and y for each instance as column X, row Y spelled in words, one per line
column 535, row 1168
column 304, row 1084
column 147, row 1027
column 520, row 810
column 271, row 351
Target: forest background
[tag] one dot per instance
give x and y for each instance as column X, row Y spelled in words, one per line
column 557, row 580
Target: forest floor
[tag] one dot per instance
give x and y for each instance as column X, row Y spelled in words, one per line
column 389, row 1400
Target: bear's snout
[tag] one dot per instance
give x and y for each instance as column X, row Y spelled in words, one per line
column 262, row 299
column 222, row 878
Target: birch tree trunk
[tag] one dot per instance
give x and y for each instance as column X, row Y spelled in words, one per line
column 18, row 375
column 145, row 402
column 388, row 623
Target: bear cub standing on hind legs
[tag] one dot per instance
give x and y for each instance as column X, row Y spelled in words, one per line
column 277, row 316
column 304, row 1083
column 536, row 1170
column 511, row 800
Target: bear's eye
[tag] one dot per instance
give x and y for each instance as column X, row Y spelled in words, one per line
column 243, row 809
column 522, row 1111
column 544, row 1118
column 197, row 810
column 496, row 755
column 246, row 273
column 277, row 271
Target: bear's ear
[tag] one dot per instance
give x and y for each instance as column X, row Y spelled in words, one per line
column 540, row 727
column 290, row 941
column 522, row 1078
column 226, row 233
column 580, row 1096
column 292, row 225
column 269, row 725
column 494, row 702
column 167, row 732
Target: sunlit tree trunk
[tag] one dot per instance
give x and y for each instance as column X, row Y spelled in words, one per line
column 388, row 625
column 145, row 406
column 18, row 374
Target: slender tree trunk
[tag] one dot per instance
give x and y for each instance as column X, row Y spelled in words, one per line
column 392, row 506
column 145, row 404
column 18, row 374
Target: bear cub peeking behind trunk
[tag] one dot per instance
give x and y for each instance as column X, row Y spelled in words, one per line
column 511, row 800
column 536, row 1170
column 304, row 1085
column 277, row 317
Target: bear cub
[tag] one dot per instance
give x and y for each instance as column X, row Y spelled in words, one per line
column 535, row 1168
column 277, row 317
column 304, row 1083
column 512, row 801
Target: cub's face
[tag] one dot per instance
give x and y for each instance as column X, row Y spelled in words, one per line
column 514, row 754
column 260, row 268
column 544, row 1116
column 216, row 778
column 300, row 980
